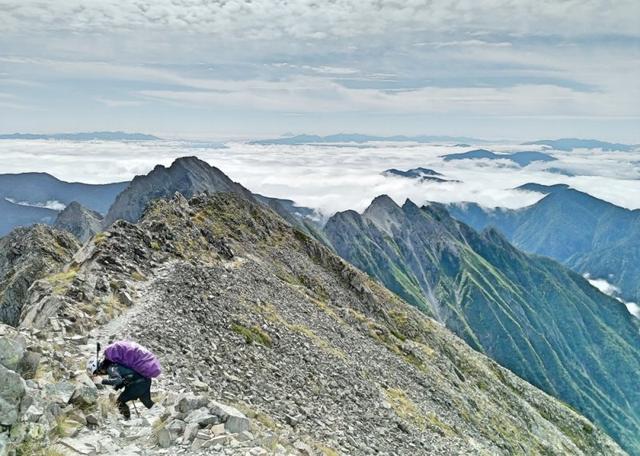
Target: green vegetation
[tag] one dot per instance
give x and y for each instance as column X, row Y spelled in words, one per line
column 530, row 314
column 252, row 334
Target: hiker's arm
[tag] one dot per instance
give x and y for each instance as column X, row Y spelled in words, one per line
column 114, row 379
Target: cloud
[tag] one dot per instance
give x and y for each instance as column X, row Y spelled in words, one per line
column 118, row 103
column 307, row 19
column 612, row 290
column 332, row 178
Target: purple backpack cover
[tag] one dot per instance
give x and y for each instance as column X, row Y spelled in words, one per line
column 134, row 356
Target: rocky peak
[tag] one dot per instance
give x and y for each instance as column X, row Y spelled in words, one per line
column 26, row 255
column 83, row 223
column 187, row 175
column 384, row 213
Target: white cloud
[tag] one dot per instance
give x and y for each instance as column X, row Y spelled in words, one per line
column 613, row 291
column 328, row 178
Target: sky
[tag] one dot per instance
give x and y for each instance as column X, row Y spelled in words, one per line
column 228, row 69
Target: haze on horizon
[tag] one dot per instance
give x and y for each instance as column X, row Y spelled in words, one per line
column 196, row 68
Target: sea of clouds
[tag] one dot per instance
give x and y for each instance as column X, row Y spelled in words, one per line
column 332, row 178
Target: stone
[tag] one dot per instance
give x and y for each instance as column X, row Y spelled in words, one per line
column 202, row 416
column 59, row 393
column 29, row 364
column 200, row 386
column 190, row 431
column 92, row 419
column 78, row 446
column 303, row 447
column 188, row 403
column 176, row 427
column 217, row 429
column 164, row 438
column 244, row 436
column 84, row 395
column 234, row 420
column 12, row 391
column 33, row 413
column 11, row 351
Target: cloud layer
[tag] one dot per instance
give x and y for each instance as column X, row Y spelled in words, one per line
column 338, row 178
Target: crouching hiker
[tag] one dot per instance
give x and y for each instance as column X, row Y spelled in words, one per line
column 130, row 366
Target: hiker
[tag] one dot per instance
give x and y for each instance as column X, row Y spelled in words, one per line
column 129, row 366
column 135, row 385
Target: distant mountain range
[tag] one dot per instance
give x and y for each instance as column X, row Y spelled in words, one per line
column 23, row 196
column 358, row 138
column 85, row 136
column 585, row 233
column 568, row 144
column 422, row 174
column 531, row 314
column 521, row 158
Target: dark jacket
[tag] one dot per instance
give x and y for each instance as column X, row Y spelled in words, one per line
column 119, row 376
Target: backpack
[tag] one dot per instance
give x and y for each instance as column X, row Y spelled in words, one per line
column 135, row 357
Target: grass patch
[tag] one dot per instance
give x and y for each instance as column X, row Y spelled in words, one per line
column 404, row 407
column 99, row 238
column 252, row 334
column 61, row 281
column 138, row 277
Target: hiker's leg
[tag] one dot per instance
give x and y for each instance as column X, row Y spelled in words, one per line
column 123, row 408
column 122, row 400
column 145, row 397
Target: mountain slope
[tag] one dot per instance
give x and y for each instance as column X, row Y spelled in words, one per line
column 83, row 223
column 585, row 233
column 15, row 215
column 231, row 296
column 532, row 315
column 26, row 255
column 40, row 188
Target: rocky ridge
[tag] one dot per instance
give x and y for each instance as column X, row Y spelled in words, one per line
column 26, row 255
column 321, row 359
column 83, row 223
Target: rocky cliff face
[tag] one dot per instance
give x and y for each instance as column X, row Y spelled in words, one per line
column 529, row 313
column 26, row 255
column 83, row 223
column 314, row 355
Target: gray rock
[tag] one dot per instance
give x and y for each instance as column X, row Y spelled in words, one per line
column 29, row 364
column 201, row 416
column 84, row 395
column 234, row 420
column 59, row 393
column 187, row 404
column 190, row 432
column 11, row 350
column 164, row 438
column 12, row 390
column 33, row 413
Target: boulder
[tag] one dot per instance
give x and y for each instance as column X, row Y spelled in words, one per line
column 11, row 350
column 12, row 391
column 202, row 417
column 234, row 420
column 164, row 438
column 59, row 393
column 84, row 394
column 190, row 432
column 29, row 364
column 187, row 404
